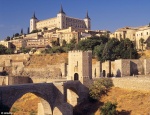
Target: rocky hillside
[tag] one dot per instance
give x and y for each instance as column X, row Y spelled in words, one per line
column 47, row 59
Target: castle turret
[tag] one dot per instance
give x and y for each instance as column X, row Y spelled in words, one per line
column 61, row 18
column 33, row 22
column 79, row 65
column 87, row 21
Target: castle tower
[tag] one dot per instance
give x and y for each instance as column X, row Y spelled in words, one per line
column 87, row 21
column 79, row 65
column 61, row 19
column 33, row 22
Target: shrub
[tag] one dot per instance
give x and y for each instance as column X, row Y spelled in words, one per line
column 100, row 87
column 109, row 108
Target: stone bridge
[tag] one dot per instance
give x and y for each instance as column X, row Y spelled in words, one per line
column 56, row 98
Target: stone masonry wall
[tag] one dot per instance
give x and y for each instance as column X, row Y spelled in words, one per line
column 136, row 66
column 3, row 80
column 106, row 68
column 96, row 70
column 136, row 83
column 125, row 67
column 147, row 66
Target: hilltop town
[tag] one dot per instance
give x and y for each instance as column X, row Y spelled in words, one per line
column 65, row 57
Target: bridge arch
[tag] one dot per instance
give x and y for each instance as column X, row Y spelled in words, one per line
column 45, row 107
column 76, row 90
column 9, row 95
column 72, row 96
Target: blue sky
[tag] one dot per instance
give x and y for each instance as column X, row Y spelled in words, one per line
column 104, row 14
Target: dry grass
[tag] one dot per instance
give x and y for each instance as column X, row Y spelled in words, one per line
column 130, row 102
column 145, row 54
column 43, row 60
column 26, row 105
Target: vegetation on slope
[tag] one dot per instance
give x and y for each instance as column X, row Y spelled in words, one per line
column 102, row 47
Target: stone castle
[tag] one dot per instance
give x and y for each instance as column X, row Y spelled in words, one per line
column 62, row 21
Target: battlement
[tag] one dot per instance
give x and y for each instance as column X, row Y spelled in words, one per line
column 79, row 51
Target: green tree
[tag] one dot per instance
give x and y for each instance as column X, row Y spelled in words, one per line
column 64, row 43
column 115, row 49
column 90, row 43
column 5, row 50
column 16, row 35
column 45, row 28
column 108, row 108
column 8, row 38
column 100, row 87
column 25, row 50
column 98, row 51
column 56, row 43
column 35, row 31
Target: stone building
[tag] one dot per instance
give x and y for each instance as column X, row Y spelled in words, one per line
column 135, row 34
column 62, row 21
column 79, row 66
column 5, row 43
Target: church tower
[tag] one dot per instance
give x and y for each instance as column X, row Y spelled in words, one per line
column 61, row 19
column 87, row 21
column 33, row 22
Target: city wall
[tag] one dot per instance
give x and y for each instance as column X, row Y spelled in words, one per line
column 4, row 80
column 121, row 68
column 135, row 83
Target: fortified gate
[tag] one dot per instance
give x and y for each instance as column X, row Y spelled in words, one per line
column 80, row 66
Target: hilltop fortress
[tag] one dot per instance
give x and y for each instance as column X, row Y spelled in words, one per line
column 62, row 21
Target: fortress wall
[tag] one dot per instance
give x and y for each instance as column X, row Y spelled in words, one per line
column 140, row 83
column 46, row 80
column 147, row 66
column 96, row 70
column 52, row 71
column 15, row 57
column 125, row 67
column 113, row 70
column 120, row 68
column 19, row 80
column 3, row 80
column 136, row 66
column 106, row 68
column 63, row 68
column 87, row 82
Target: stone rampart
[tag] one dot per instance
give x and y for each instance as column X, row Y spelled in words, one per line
column 3, row 80
column 96, row 69
column 106, row 68
column 19, row 80
column 136, row 67
column 135, row 83
column 46, row 80
column 15, row 57
column 147, row 66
